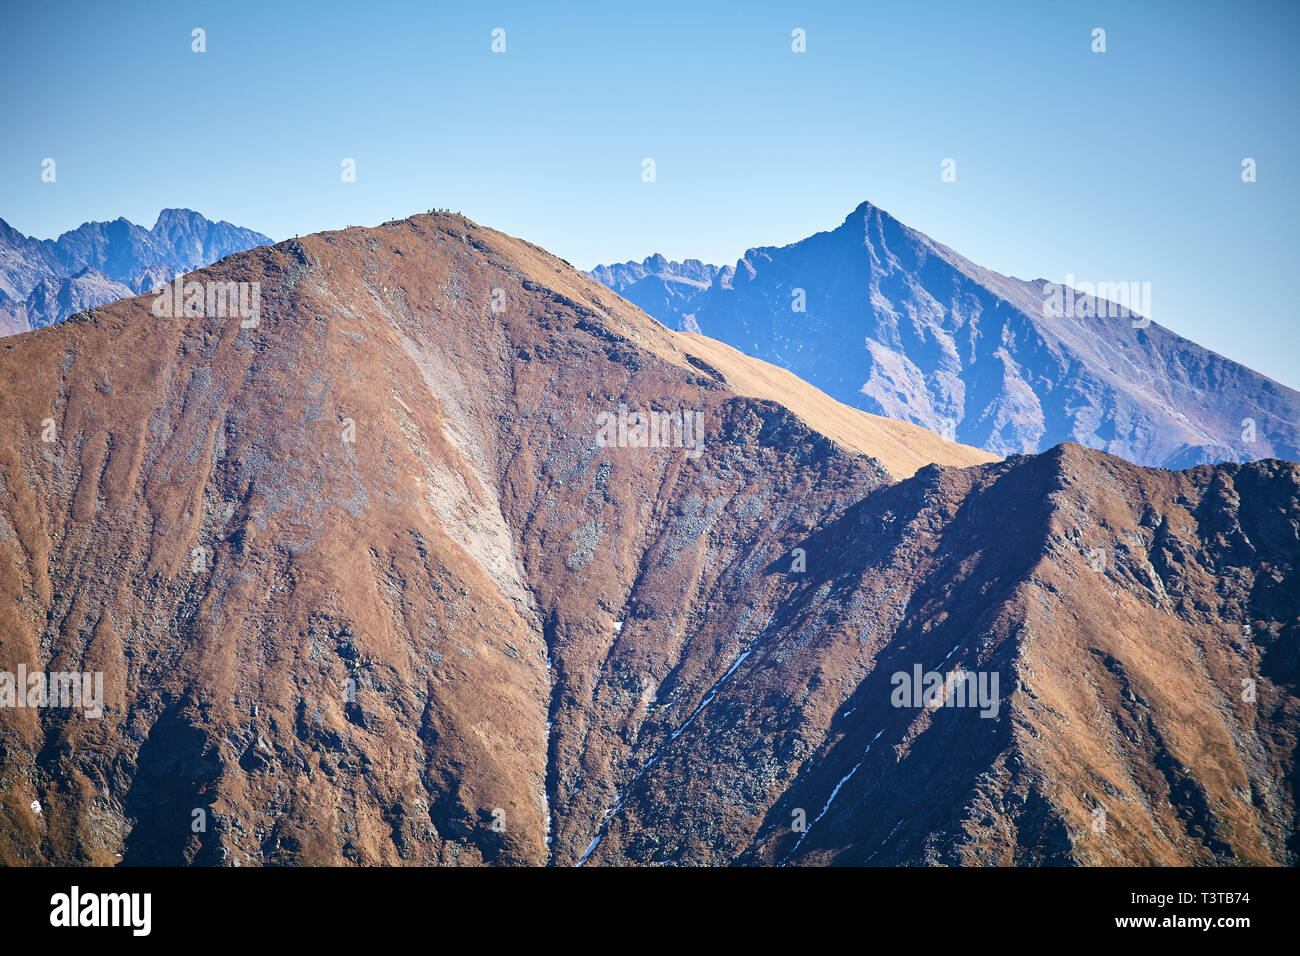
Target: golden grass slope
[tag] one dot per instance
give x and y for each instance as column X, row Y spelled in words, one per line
column 900, row 446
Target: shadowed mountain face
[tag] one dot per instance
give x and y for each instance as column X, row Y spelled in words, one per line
column 44, row 281
column 394, row 575
column 894, row 323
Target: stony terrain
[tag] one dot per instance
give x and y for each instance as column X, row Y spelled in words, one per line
column 365, row 587
column 883, row 318
column 54, row 299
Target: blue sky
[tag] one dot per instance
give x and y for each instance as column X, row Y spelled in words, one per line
column 1115, row 166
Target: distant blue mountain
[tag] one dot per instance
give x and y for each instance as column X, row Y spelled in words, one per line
column 897, row 324
column 43, row 281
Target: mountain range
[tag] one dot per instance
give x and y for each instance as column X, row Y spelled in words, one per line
column 454, row 556
column 883, row 318
column 43, row 281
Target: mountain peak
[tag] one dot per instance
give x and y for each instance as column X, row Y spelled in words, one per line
column 120, row 256
column 868, row 208
column 890, row 321
column 173, row 215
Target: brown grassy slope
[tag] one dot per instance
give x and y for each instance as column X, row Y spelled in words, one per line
column 395, row 561
column 900, row 446
column 533, row 622
column 1124, row 685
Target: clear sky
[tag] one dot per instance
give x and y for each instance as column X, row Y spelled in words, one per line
column 1115, row 166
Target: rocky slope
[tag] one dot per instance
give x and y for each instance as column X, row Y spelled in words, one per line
column 53, row 300
column 373, row 581
column 45, row 281
column 897, row 324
